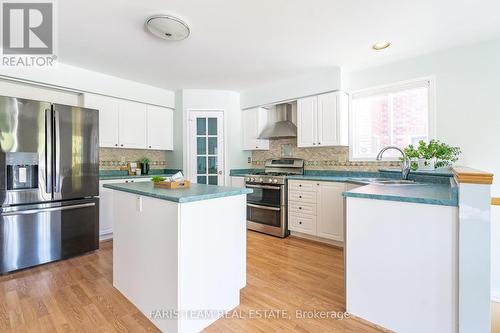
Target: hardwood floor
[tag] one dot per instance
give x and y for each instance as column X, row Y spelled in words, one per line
column 495, row 317
column 76, row 295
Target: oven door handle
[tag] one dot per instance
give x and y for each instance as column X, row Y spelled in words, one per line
column 266, row 187
column 264, row 207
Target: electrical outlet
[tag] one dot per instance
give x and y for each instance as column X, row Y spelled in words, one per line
column 249, row 159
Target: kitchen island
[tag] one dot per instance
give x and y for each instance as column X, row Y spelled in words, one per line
column 180, row 255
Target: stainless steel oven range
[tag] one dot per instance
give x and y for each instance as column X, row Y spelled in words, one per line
column 267, row 205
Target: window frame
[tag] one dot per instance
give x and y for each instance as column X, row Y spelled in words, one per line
column 394, row 87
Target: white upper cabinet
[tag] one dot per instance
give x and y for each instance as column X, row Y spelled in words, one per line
column 127, row 124
column 132, row 124
column 108, row 118
column 254, row 121
column 159, row 128
column 322, row 120
column 306, row 121
column 328, row 127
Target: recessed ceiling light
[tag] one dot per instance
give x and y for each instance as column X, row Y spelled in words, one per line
column 167, row 27
column 381, row 45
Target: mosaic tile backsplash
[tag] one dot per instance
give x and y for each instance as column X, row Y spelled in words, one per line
column 325, row 158
column 116, row 159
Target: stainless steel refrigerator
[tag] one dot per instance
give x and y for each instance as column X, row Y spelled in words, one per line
column 49, row 182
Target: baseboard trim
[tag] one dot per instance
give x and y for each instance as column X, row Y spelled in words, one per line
column 105, row 237
column 317, row 239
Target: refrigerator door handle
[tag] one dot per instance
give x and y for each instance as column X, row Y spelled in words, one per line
column 48, row 150
column 57, row 153
column 52, row 209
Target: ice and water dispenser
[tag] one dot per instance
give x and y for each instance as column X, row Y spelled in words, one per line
column 22, row 171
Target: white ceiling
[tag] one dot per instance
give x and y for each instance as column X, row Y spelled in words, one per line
column 239, row 44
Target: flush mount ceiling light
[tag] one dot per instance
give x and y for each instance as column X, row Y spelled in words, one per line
column 381, row 45
column 167, row 27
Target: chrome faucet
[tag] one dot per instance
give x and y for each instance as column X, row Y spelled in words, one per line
column 405, row 168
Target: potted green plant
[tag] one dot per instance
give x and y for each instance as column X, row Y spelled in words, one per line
column 432, row 155
column 145, row 165
column 158, row 179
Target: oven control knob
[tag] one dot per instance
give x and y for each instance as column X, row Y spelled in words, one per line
column 261, row 180
column 275, row 181
column 270, row 180
column 252, row 179
column 247, row 179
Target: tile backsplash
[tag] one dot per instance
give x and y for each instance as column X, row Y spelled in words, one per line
column 324, row 158
column 115, row 159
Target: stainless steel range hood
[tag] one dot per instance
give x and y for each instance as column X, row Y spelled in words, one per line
column 283, row 127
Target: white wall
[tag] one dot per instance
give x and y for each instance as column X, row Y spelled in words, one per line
column 467, row 110
column 83, row 80
column 200, row 99
column 175, row 157
column 311, row 83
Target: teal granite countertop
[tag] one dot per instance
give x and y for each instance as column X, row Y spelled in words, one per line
column 424, row 193
column 196, row 192
column 434, row 188
column 123, row 174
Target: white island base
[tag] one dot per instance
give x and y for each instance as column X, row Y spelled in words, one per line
column 181, row 264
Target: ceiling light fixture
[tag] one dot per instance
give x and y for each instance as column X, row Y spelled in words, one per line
column 381, row 45
column 168, row 27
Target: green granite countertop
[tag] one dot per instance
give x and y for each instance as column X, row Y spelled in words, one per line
column 425, row 193
column 434, row 188
column 196, row 192
column 123, row 174
column 112, row 177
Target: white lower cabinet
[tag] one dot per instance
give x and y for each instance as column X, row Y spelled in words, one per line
column 316, row 209
column 237, row 181
column 330, row 208
column 106, row 211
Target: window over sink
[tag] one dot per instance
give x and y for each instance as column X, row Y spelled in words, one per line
column 395, row 115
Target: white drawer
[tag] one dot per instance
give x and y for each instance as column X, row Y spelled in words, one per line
column 301, row 196
column 299, row 185
column 301, row 223
column 301, row 208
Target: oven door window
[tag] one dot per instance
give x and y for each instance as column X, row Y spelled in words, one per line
column 265, row 196
column 266, row 215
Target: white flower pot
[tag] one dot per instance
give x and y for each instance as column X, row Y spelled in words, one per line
column 424, row 164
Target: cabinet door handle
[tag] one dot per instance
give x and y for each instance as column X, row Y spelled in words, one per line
column 300, row 207
column 149, row 146
column 300, row 222
column 300, row 196
column 314, row 143
column 121, row 145
column 300, row 185
column 319, row 143
column 116, row 145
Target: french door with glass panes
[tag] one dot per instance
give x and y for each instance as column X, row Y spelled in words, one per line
column 207, row 147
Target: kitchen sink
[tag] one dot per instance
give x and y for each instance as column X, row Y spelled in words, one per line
column 396, row 182
column 384, row 181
